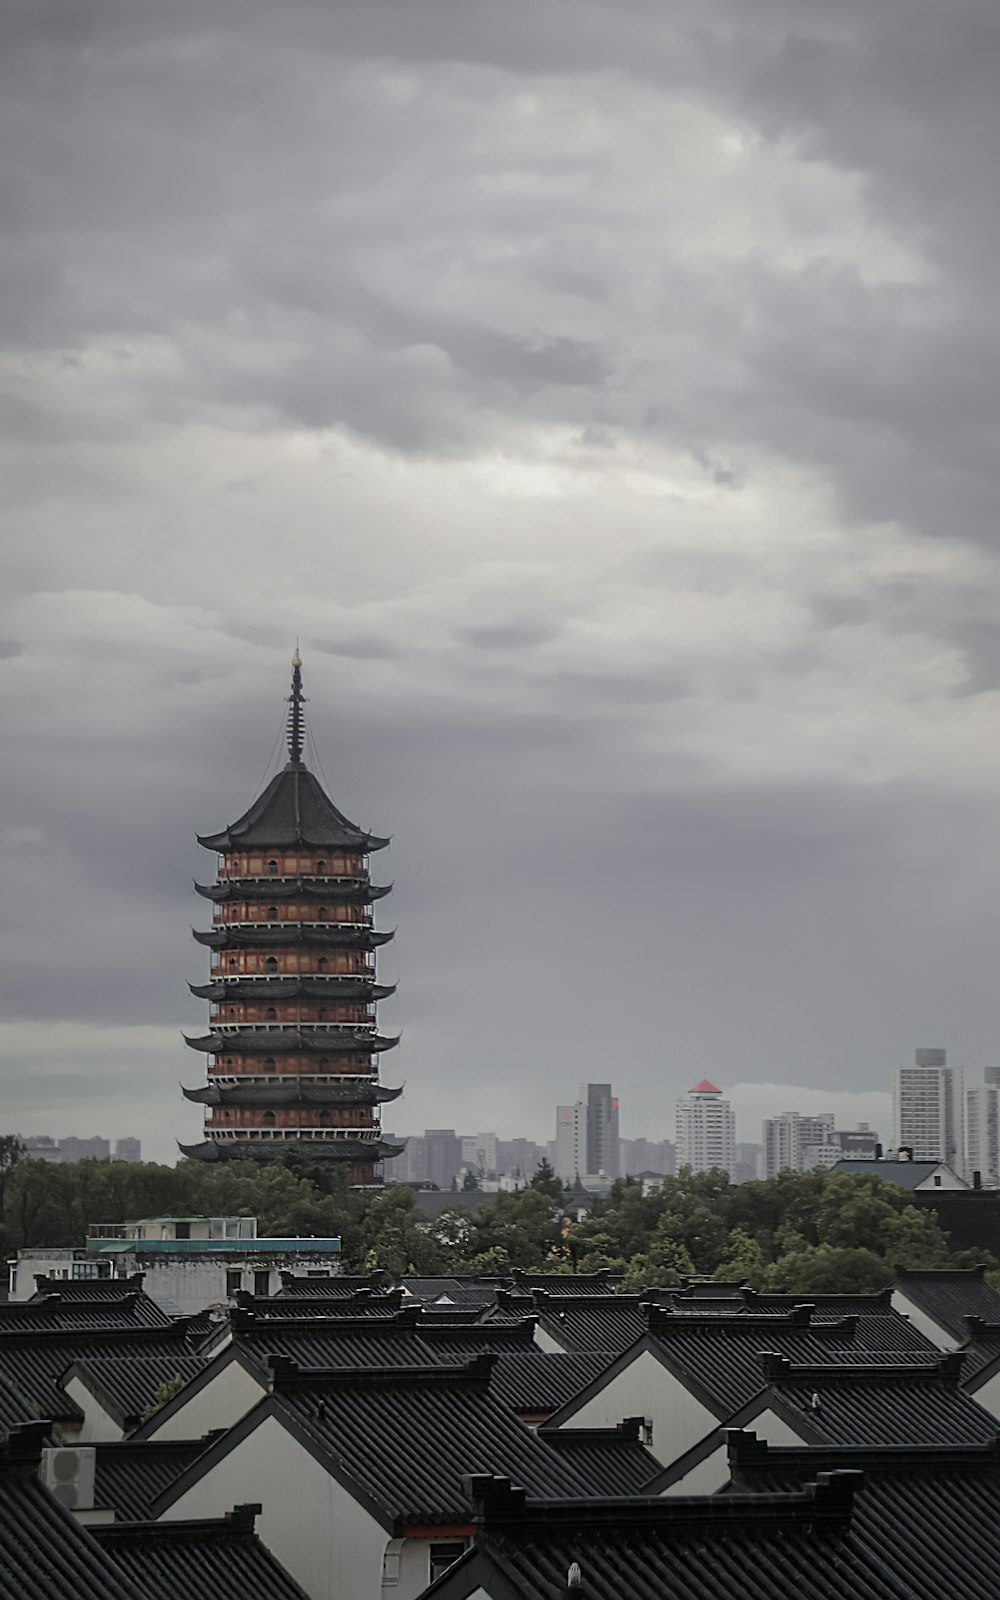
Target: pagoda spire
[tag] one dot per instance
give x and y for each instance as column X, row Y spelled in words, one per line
column 296, row 700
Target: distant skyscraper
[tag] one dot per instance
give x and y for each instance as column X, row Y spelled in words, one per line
column 444, row 1155
column 706, row 1130
column 128, row 1150
column 982, row 1135
column 587, row 1134
column 928, row 1109
column 96, row 1149
column 786, row 1139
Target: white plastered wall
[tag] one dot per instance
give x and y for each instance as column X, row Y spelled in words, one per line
column 220, row 1403
column 988, row 1395
column 98, row 1427
column 646, row 1389
column 712, row 1474
column 331, row 1546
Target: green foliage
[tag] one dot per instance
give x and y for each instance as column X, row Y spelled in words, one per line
column 165, row 1392
column 814, row 1231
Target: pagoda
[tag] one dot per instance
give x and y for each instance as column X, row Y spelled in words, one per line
column 293, row 1047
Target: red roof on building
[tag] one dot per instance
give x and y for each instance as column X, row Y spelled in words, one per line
column 704, row 1087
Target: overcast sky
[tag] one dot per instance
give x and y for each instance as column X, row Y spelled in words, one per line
column 606, row 392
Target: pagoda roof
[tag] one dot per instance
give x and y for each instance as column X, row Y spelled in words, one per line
column 339, row 935
column 337, row 990
column 292, row 1093
column 293, row 811
column 294, row 1041
column 336, row 890
column 371, row 1150
column 704, row 1087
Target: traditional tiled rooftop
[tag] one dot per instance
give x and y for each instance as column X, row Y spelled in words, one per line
column 32, row 1363
column 131, row 1473
column 784, row 1547
column 932, row 1515
column 128, row 1386
column 949, row 1297
column 217, row 1559
column 879, row 1405
column 534, row 1383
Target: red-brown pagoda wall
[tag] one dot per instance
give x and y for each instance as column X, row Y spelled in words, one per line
column 294, row 1066
column 290, row 1117
column 256, row 865
column 253, row 911
column 305, row 1013
column 292, row 961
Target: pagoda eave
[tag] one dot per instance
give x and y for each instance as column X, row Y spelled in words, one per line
column 337, row 891
column 313, row 1094
column 332, row 936
column 292, row 1042
column 334, row 990
column 272, row 1150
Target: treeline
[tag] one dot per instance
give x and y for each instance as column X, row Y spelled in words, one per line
column 811, row 1231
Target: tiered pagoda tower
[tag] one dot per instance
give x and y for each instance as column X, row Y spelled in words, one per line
column 293, row 1047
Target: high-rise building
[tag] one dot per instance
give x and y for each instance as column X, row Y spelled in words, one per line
column 647, row 1156
column 706, row 1130
column 94, row 1149
column 444, row 1155
column 293, row 1044
column 587, row 1134
column 982, row 1135
column 602, row 1129
column 928, row 1106
column 479, row 1153
column 571, row 1141
column 787, row 1137
column 128, row 1150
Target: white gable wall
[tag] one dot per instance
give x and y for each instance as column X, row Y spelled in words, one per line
column 313, row 1526
column 646, row 1389
column 98, row 1427
column 708, row 1476
column 220, row 1403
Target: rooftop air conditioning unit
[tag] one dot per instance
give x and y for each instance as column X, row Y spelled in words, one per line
column 69, row 1473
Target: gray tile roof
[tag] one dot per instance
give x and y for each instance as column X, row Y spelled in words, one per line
column 131, row 1473
column 949, row 1297
column 932, row 1515
column 408, row 1340
column 44, row 1552
column 126, row 1386
column 879, row 1405
column 536, row 1383
column 785, row 1547
column 220, row 1559
column 31, row 1363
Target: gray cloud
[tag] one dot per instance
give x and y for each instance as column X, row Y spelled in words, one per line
column 609, row 404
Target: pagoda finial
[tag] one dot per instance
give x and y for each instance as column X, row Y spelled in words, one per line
column 296, row 700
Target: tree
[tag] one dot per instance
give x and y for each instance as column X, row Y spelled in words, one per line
column 743, row 1261
column 546, row 1181
column 470, row 1182
column 830, row 1269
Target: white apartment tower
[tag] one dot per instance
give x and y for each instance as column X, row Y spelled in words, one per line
column 982, row 1135
column 786, row 1139
column 706, row 1130
column 928, row 1106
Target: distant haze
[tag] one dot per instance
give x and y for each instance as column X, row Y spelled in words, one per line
column 609, row 402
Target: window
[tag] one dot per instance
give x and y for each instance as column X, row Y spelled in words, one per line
column 272, row 867
column 443, row 1555
column 262, row 1282
column 321, row 915
column 234, row 1282
column 321, row 866
column 269, row 1062
column 272, row 913
column 324, row 1119
column 271, row 964
column 232, row 961
column 322, row 1014
column 271, row 1014
column 268, row 1119
column 322, row 964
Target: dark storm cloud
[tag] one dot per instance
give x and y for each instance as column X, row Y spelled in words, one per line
column 607, row 395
